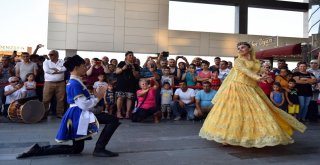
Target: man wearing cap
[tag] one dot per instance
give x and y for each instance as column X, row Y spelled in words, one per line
column 54, row 84
column 313, row 107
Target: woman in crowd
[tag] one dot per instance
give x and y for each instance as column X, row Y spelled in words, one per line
column 96, row 69
column 205, row 74
column 147, row 101
column 79, row 123
column 266, row 86
column 127, row 75
column 242, row 114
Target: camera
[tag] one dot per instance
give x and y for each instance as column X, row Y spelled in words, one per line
column 152, row 65
column 165, row 54
column 98, row 62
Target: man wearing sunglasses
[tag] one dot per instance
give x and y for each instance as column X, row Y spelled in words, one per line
column 13, row 92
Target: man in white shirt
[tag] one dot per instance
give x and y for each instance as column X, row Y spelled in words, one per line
column 183, row 101
column 54, row 83
column 224, row 70
column 13, row 92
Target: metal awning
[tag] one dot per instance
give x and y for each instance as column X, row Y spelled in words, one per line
column 290, row 50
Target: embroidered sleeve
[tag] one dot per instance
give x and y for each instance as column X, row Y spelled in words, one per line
column 240, row 66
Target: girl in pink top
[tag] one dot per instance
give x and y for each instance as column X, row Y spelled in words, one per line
column 148, row 107
column 205, row 74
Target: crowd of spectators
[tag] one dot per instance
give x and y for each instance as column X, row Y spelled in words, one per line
column 163, row 87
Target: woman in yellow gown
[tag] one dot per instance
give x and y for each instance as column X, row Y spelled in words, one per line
column 242, row 114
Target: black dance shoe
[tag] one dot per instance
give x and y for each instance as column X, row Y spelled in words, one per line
column 104, row 153
column 31, row 151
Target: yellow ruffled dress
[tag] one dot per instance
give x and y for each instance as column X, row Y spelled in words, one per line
column 244, row 116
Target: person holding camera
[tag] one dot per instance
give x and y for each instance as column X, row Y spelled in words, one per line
column 146, row 97
column 128, row 75
column 96, row 69
column 150, row 70
column 182, row 65
column 174, row 70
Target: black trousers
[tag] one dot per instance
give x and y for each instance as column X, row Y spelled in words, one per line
column 143, row 114
column 111, row 124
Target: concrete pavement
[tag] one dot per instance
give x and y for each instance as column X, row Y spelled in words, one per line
column 167, row 143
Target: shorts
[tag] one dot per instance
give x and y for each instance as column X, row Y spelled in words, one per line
column 127, row 95
column 165, row 108
column 294, row 109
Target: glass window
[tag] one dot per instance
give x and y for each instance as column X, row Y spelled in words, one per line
column 305, row 1
column 275, row 22
column 201, row 17
column 314, row 20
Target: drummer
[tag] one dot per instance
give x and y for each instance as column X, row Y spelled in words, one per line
column 13, row 92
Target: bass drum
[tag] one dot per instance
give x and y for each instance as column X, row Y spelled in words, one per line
column 27, row 110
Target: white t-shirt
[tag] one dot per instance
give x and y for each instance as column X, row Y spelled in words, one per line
column 14, row 96
column 28, row 84
column 166, row 79
column 223, row 74
column 98, row 84
column 185, row 97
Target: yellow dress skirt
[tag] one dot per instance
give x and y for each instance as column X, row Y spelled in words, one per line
column 242, row 115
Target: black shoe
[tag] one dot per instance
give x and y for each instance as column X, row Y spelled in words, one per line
column 104, row 153
column 30, row 151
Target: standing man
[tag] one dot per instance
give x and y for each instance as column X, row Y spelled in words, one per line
column 6, row 71
column 54, row 84
column 25, row 67
column 224, row 70
column 216, row 65
column 105, row 61
column 281, row 64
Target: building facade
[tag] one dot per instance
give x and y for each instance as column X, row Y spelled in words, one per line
column 137, row 25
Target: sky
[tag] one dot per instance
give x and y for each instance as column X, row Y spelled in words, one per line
column 24, row 23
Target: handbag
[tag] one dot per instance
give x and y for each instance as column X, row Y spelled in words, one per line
column 136, row 109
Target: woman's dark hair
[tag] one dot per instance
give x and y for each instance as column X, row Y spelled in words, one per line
column 29, row 75
column 205, row 62
column 216, row 70
column 128, row 52
column 302, row 62
column 184, row 64
column 72, row 62
column 277, row 84
column 192, row 65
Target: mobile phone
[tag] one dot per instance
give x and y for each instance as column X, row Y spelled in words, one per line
column 98, row 62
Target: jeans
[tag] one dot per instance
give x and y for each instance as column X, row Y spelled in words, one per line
column 304, row 102
column 177, row 110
